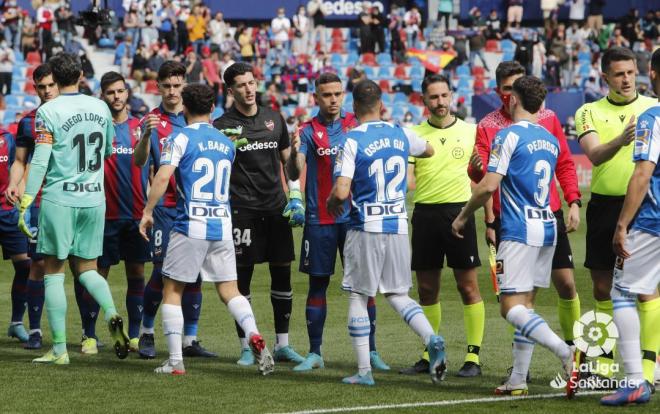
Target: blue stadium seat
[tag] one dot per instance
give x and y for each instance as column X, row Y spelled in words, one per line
column 584, row 70
column 417, row 84
column 32, row 99
column 463, row 70
column 336, row 59
column 383, row 59
column 507, row 56
column 18, row 57
column 507, row 45
column 398, row 112
column 385, row 72
column 400, row 98
column 463, row 83
column 492, row 84
column 388, row 99
column 417, row 112
column 217, row 113
column 370, row 71
column 353, row 58
column 13, row 100
column 417, row 71
column 584, row 57
column 10, row 116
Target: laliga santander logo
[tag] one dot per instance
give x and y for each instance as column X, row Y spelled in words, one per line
column 595, row 334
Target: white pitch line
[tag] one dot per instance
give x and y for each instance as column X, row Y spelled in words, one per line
column 438, row 403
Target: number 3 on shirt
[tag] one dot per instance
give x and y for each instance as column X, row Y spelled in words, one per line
column 542, row 169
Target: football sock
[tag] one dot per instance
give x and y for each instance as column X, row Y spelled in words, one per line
column 98, row 288
column 240, row 309
column 153, row 295
column 55, row 299
column 605, row 362
column 371, row 310
column 434, row 314
column 628, row 325
column 134, row 304
column 244, row 276
column 474, row 318
column 35, row 300
column 281, row 297
column 412, row 314
column 191, row 303
column 19, row 289
column 649, row 317
column 522, row 358
column 173, row 327
column 568, row 311
column 316, row 311
column 358, row 329
column 534, row 328
column 89, row 309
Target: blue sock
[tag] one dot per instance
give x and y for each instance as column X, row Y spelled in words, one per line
column 191, row 304
column 316, row 310
column 19, row 289
column 134, row 305
column 153, row 295
column 89, row 309
column 35, row 300
column 371, row 309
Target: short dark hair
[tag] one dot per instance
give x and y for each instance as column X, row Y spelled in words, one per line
column 615, row 54
column 66, row 68
column 366, row 95
column 41, row 72
column 531, row 91
column 109, row 78
column 235, row 70
column 506, row 69
column 171, row 68
column 435, row 78
column 198, row 98
column 326, row 77
column 655, row 62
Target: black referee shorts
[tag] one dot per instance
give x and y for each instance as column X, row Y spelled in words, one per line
column 563, row 257
column 259, row 239
column 432, row 239
column 602, row 215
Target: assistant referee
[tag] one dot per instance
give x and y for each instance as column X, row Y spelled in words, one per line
column 442, row 189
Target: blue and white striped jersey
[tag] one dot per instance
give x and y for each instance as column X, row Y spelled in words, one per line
column 526, row 155
column 203, row 157
column 647, row 148
column 375, row 157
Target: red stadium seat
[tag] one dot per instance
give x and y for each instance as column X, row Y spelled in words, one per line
column 151, row 86
column 337, row 46
column 478, row 71
column 385, row 85
column 29, row 88
column 492, row 45
column 369, row 59
column 30, row 71
column 337, row 34
column 33, row 58
column 416, row 99
column 400, row 72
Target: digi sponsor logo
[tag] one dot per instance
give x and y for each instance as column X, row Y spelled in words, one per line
column 208, row 212
column 82, row 187
column 375, row 210
column 539, row 214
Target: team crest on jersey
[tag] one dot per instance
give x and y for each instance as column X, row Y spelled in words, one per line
column 270, row 124
column 642, row 137
column 457, row 153
column 496, row 151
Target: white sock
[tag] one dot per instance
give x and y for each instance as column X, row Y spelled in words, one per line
column 240, row 309
column 244, row 343
column 35, row 330
column 522, row 358
column 145, row 330
column 188, row 340
column 626, row 320
column 413, row 315
column 359, row 327
column 173, row 327
column 534, row 328
column 281, row 340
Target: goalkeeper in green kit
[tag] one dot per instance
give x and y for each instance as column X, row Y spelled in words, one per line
column 73, row 134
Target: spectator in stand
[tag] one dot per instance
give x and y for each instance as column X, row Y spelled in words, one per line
column 196, row 25
column 301, row 31
column 461, row 110
column 227, row 61
column 11, row 21
column 650, row 26
column 45, row 20
column 148, row 27
column 577, row 10
column 231, row 46
column 630, row 25
column 576, row 36
column 28, row 36
column 364, row 29
column 592, row 90
column 245, row 42
column 54, row 47
column 132, row 23
column 514, row 13
column 617, row 39
column 261, row 41
column 397, row 48
column 167, row 30
column 539, row 59
column 193, row 67
column 355, row 77
column 135, row 104
column 65, row 22
column 477, row 44
column 183, row 39
column 211, row 70
column 7, row 61
column 156, row 59
column 218, row 28
column 280, row 26
column 273, row 97
column 595, row 19
column 524, row 52
column 550, row 10
column 476, row 19
column 493, row 26
column 413, row 21
column 315, row 12
column 445, row 10
column 643, row 56
column 378, row 25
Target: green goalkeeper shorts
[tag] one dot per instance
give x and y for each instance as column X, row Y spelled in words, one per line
column 65, row 231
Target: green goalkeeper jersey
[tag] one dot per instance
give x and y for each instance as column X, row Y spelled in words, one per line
column 75, row 133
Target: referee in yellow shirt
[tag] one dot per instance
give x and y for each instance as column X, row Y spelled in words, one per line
column 442, row 189
column 605, row 130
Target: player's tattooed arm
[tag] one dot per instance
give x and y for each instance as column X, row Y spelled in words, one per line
column 340, row 193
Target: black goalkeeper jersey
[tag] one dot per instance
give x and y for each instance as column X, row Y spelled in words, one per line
column 256, row 183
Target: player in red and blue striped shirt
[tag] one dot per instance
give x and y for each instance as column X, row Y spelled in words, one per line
column 316, row 147
column 46, row 90
column 159, row 124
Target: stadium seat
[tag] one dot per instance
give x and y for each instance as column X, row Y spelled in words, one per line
column 151, row 87
column 584, row 57
column 29, row 71
column 384, row 85
column 383, row 59
column 336, row 59
column 463, row 83
column 33, row 58
column 385, row 72
column 400, row 98
column 217, row 113
column 463, row 70
column 507, row 45
column 32, row 100
column 13, row 100
column 417, row 84
column 337, row 34
column 18, row 57
column 492, row 84
column 352, row 58
column 400, row 72
column 398, row 112
column 492, row 45
column 370, row 71
column 337, row 46
column 416, row 98
column 28, row 88
column 369, row 59
column 507, row 56
column 478, row 70
column 417, row 71
column 9, row 117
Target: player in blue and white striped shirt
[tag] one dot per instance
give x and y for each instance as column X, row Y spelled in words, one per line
column 637, row 269
column 371, row 168
column 523, row 159
column 201, row 239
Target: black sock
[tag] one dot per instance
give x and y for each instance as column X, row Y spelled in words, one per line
column 281, row 296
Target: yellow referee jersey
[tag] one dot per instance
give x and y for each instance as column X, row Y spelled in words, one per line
column 443, row 178
column 608, row 120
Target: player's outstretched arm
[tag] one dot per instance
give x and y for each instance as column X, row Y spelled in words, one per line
column 599, row 153
column 147, row 126
column 36, row 175
column 637, row 188
column 17, row 174
column 156, row 192
column 339, row 193
column 296, row 162
column 481, row 194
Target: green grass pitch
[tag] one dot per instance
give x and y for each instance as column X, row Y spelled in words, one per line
column 103, row 383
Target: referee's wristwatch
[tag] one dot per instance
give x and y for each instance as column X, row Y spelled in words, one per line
column 576, row 201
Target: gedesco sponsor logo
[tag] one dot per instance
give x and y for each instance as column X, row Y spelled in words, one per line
column 4, row 158
column 122, row 150
column 327, row 151
column 258, row 146
column 349, row 8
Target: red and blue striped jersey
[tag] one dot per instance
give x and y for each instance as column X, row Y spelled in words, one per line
column 25, row 139
column 319, row 142
column 7, row 154
column 170, row 125
column 125, row 183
